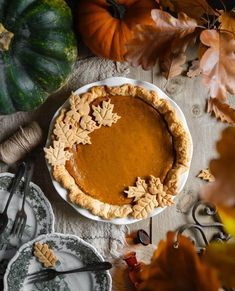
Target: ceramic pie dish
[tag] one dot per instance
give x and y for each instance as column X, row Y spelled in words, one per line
column 119, row 150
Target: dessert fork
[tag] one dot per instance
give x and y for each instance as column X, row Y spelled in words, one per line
column 50, row 274
column 21, row 216
column 15, row 183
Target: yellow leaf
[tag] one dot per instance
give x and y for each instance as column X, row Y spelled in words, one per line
column 222, row 257
column 227, row 216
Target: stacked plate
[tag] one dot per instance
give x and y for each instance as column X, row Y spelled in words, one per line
column 16, row 257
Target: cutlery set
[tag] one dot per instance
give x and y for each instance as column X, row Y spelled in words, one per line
column 25, row 170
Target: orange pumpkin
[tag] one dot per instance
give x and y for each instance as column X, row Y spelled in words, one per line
column 105, row 25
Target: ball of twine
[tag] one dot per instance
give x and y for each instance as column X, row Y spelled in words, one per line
column 22, row 142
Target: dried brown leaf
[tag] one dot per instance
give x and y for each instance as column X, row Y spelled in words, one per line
column 45, row 255
column 218, row 63
column 151, row 42
column 221, row 192
column 221, row 111
column 171, row 64
column 227, row 20
column 178, row 268
column 194, row 69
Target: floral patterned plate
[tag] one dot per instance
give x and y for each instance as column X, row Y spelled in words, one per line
column 72, row 252
column 40, row 218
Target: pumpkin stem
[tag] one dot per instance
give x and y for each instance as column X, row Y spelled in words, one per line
column 118, row 10
column 5, row 38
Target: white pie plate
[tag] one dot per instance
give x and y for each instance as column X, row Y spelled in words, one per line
column 117, row 81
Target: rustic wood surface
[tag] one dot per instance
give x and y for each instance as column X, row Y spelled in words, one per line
column 190, row 95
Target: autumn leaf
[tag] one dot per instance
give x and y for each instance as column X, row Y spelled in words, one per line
column 171, row 65
column 194, row 69
column 227, row 20
column 220, row 110
column 194, row 9
column 178, row 269
column 137, row 191
column 218, row 63
column 221, row 192
column 221, row 256
column 57, row 155
column 206, row 175
column 151, row 42
column 227, row 215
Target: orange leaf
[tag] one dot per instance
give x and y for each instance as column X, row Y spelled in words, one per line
column 151, row 42
column 178, row 269
column 194, row 9
column 221, row 256
column 218, row 62
column 221, row 192
column 227, row 20
column 171, row 65
column 222, row 111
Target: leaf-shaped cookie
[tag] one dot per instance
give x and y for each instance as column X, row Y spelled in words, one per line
column 74, row 101
column 144, row 206
column 206, row 175
column 155, row 185
column 137, row 192
column 104, row 114
column 57, row 155
column 81, row 136
column 45, row 255
column 72, row 117
column 64, row 133
column 164, row 199
column 87, row 123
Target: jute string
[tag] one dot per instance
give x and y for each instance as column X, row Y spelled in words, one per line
column 22, row 142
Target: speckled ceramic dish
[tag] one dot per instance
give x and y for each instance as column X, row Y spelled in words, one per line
column 72, row 252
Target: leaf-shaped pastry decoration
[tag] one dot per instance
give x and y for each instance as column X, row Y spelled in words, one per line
column 164, row 199
column 87, row 123
column 222, row 111
column 104, row 114
column 72, row 117
column 155, row 185
column 81, row 136
column 45, row 255
column 64, row 133
column 74, row 101
column 57, row 155
column 144, row 206
column 206, row 175
column 137, row 192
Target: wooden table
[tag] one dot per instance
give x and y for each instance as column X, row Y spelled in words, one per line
column 191, row 96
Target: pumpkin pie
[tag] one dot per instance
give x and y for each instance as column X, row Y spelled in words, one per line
column 119, row 151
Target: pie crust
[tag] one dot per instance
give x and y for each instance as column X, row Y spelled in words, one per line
column 73, row 126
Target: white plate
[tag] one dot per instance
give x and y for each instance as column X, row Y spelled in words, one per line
column 72, row 252
column 40, row 217
column 117, row 81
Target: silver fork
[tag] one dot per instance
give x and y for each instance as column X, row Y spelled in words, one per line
column 50, row 274
column 21, row 216
column 3, row 216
